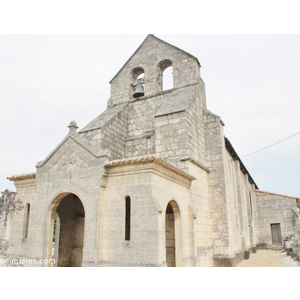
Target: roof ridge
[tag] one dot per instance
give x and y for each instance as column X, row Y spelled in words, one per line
column 153, row 36
column 131, row 57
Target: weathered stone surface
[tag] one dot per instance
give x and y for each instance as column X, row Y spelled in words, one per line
column 167, row 154
column 9, row 204
column 275, row 209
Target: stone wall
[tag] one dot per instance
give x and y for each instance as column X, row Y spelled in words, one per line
column 203, row 216
column 26, row 190
column 108, row 131
column 151, row 184
column 240, row 207
column 114, row 133
column 215, row 150
column 296, row 243
column 274, row 209
column 232, row 197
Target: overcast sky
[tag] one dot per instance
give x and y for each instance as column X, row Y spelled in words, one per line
column 252, row 83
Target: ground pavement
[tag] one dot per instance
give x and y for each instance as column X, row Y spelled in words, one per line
column 269, row 258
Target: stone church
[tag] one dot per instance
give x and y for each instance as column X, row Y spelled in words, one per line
column 152, row 181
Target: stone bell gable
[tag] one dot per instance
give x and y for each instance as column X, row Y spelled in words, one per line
column 152, row 58
column 168, row 123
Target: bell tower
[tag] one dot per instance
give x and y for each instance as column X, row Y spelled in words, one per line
column 164, row 122
column 143, row 117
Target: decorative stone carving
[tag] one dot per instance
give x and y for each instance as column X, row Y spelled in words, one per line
column 68, row 162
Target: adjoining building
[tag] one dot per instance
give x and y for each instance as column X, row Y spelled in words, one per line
column 152, row 181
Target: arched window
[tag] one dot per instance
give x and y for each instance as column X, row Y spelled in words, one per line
column 127, row 218
column 173, row 234
column 26, row 221
column 165, row 75
column 167, row 78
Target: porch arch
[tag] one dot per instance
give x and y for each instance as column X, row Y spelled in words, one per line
column 64, row 236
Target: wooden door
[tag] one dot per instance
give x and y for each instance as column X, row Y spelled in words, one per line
column 276, row 234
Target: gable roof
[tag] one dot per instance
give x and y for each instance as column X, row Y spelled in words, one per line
column 103, row 118
column 97, row 152
column 148, row 37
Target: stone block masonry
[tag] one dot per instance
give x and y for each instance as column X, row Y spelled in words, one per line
column 151, row 181
column 275, row 209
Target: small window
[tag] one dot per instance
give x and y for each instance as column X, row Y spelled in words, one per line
column 26, row 225
column 127, row 218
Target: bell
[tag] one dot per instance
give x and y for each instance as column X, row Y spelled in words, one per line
column 139, row 88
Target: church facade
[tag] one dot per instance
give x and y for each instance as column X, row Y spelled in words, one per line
column 152, row 181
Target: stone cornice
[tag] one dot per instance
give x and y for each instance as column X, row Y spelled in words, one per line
column 195, row 163
column 147, row 159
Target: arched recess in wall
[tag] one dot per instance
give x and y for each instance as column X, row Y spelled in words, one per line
column 173, row 235
column 26, row 221
column 64, row 232
column 137, row 74
column 165, row 75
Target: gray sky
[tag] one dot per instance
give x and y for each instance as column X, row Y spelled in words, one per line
column 252, row 83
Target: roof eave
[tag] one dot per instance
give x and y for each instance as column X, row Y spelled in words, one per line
column 235, row 156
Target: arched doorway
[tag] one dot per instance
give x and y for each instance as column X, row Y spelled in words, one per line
column 66, row 232
column 172, row 235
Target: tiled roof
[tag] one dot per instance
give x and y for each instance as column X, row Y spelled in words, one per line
column 21, row 176
column 146, row 159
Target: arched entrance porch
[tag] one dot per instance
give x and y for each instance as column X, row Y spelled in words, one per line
column 65, row 231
